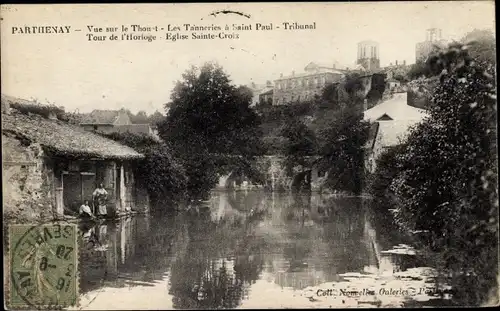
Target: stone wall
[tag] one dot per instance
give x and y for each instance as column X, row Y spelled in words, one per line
column 28, row 181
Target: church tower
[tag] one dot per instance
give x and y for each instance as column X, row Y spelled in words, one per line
column 368, row 55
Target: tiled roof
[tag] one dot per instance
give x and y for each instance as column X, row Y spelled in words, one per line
column 267, row 92
column 397, row 108
column 62, row 138
column 101, row 117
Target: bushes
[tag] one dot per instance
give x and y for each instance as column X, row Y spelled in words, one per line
column 39, row 109
column 341, row 148
column 445, row 175
column 210, row 118
column 163, row 176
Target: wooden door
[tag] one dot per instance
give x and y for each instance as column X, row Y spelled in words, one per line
column 72, row 194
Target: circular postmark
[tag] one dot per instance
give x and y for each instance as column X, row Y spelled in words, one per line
column 43, row 265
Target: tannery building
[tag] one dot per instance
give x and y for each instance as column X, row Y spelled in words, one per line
column 51, row 167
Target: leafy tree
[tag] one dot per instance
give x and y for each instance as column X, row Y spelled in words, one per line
column 377, row 88
column 419, row 69
column 448, row 173
column 245, row 92
column 353, row 86
column 341, row 149
column 300, row 143
column 401, row 78
column 209, row 119
column 140, row 118
column 163, row 176
column 156, row 118
column 330, row 96
column 481, row 45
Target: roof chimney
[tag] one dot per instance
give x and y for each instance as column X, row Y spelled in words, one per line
column 293, row 73
column 396, row 62
column 281, row 75
column 404, row 62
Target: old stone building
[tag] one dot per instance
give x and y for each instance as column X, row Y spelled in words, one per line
column 51, row 167
column 266, row 97
column 391, row 121
column 304, row 86
column 258, row 89
column 111, row 121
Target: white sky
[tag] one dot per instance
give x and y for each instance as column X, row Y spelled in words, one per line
column 70, row 71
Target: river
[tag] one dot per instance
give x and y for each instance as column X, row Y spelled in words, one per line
column 251, row 250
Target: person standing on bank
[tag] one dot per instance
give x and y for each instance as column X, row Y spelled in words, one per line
column 99, row 196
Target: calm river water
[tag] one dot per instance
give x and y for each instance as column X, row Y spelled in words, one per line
column 251, row 250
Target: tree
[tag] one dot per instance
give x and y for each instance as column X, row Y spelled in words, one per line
column 208, row 120
column 300, row 143
column 140, row 118
column 341, row 149
column 447, row 180
column 418, row 70
column 156, row 118
column 481, row 45
column 161, row 174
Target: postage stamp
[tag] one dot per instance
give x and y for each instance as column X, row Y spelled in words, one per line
column 43, row 265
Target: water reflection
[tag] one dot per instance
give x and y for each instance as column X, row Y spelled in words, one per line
column 233, row 251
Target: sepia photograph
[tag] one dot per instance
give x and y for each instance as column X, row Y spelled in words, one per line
column 249, row 155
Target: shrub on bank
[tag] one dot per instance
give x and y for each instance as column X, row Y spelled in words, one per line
column 444, row 177
column 163, row 176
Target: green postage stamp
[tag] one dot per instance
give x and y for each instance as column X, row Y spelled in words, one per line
column 43, row 266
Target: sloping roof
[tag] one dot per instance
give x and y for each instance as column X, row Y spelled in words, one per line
column 267, row 92
column 63, row 138
column 101, row 117
column 392, row 132
column 372, row 135
column 396, row 108
column 384, row 117
column 305, row 74
column 359, row 67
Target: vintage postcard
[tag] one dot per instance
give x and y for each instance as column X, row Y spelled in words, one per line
column 249, row 155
